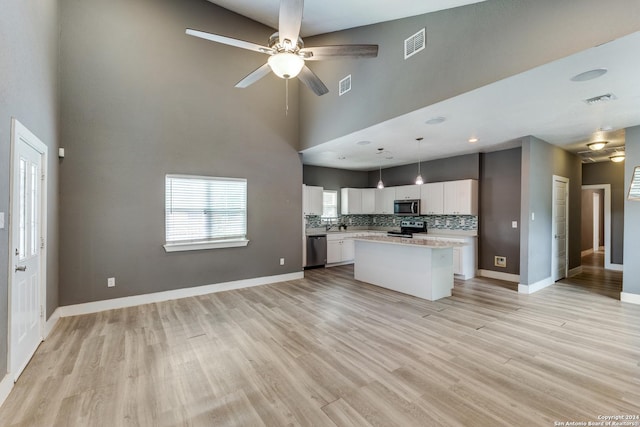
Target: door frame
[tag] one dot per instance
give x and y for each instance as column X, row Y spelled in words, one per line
column 595, row 226
column 19, row 131
column 566, row 225
column 607, row 224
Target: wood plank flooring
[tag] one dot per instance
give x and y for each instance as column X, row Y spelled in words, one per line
column 330, row 351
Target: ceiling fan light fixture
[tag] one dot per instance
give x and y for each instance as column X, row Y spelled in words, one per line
column 597, row 146
column 286, row 65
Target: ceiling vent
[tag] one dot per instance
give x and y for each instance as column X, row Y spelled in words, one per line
column 414, row 44
column 344, row 85
column 600, row 99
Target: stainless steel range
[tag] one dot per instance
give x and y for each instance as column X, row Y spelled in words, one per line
column 409, row 228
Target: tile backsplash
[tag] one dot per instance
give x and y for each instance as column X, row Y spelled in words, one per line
column 434, row 222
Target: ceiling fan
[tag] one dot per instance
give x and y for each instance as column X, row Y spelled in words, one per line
column 287, row 54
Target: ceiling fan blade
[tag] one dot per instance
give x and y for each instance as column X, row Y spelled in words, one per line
column 231, row 42
column 312, row 81
column 290, row 20
column 254, row 76
column 340, row 51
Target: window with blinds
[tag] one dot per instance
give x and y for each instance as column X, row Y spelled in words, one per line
column 205, row 212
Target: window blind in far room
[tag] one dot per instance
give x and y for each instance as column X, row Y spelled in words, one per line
column 205, row 212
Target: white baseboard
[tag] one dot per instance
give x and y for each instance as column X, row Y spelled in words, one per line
column 499, row 275
column 6, row 385
column 51, row 322
column 630, row 298
column 96, row 306
column 614, row 267
column 535, row 287
column 586, row 252
column 574, row 271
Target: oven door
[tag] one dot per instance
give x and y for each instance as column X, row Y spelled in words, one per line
column 406, row 207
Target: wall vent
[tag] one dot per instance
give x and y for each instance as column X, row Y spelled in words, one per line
column 344, row 85
column 415, row 43
column 600, row 99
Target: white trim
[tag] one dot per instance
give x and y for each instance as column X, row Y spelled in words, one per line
column 630, row 298
column 499, row 275
column 574, row 271
column 535, row 287
column 229, row 243
column 51, row 322
column 554, row 208
column 614, row 267
column 6, row 385
column 96, row 306
column 586, row 252
column 607, row 222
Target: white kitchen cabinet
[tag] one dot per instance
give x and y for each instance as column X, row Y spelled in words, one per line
column 408, row 192
column 350, row 201
column 334, row 251
column 432, row 198
column 465, row 258
column 311, row 200
column 461, row 197
column 384, row 198
column 368, row 201
column 340, row 248
column 457, row 261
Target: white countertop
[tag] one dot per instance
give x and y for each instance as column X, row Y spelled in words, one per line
column 411, row 242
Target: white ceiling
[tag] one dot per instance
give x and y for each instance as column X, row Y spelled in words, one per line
column 542, row 102
column 325, row 16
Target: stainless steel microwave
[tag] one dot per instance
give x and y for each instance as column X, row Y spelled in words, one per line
column 406, row 207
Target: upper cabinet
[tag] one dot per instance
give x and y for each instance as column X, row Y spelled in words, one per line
column 384, row 200
column 408, row 192
column 350, row 201
column 368, row 201
column 311, row 200
column 432, row 198
column 461, row 197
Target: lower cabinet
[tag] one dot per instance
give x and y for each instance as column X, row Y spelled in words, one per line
column 465, row 258
column 342, row 250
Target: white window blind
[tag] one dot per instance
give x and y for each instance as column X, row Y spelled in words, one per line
column 329, row 204
column 204, row 212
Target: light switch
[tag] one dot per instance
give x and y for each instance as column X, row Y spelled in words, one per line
column 533, row 216
column 1, row 220
column 514, row 224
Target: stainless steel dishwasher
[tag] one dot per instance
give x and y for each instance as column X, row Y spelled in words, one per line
column 316, row 250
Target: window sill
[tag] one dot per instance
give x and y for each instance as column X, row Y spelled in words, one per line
column 178, row 247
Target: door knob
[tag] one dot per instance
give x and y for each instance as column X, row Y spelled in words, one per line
column 21, row 268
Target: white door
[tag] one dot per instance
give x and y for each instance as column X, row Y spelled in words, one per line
column 596, row 222
column 560, row 210
column 26, row 292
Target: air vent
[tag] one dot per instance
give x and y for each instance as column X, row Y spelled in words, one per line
column 600, row 99
column 414, row 44
column 344, row 85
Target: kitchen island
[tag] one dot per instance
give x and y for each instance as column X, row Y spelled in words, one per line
column 422, row 268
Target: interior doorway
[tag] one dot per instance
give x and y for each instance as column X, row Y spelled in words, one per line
column 604, row 244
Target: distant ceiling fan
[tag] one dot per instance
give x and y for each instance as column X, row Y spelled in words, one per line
column 287, row 54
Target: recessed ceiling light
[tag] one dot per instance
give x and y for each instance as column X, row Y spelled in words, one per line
column 589, row 75
column 597, row 146
column 436, row 120
column 363, row 142
column 473, row 140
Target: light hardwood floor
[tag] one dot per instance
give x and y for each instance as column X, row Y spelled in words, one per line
column 328, row 350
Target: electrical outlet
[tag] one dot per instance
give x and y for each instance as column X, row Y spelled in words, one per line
column 281, row 261
column 514, row 224
column 111, row 282
column 500, row 261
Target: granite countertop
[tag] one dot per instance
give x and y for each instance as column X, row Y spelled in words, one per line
column 412, row 242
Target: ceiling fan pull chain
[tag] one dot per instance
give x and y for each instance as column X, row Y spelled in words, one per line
column 286, row 95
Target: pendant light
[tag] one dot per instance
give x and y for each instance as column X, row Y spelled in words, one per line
column 419, row 180
column 380, row 183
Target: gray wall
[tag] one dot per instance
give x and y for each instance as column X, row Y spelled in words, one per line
column 613, row 174
column 540, row 161
column 501, row 38
column 28, row 92
column 140, row 99
column 499, row 205
column 587, row 218
column 334, row 179
column 449, row 169
column 631, row 272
